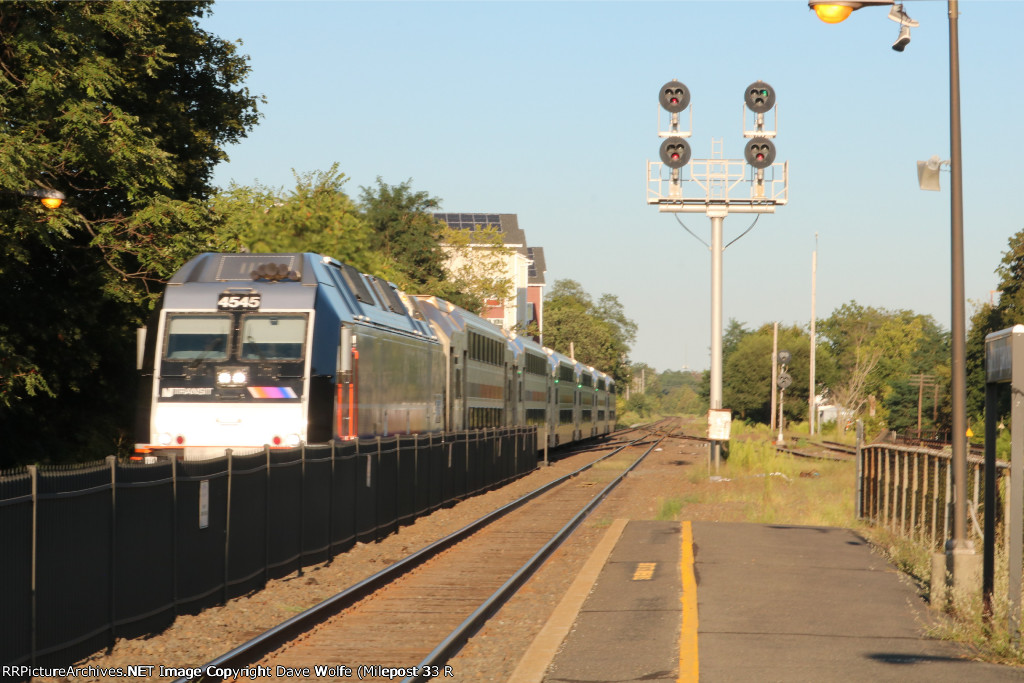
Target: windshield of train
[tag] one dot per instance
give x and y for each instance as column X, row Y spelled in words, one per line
column 273, row 337
column 198, row 337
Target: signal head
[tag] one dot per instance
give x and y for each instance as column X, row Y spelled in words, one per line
column 759, row 152
column 675, row 152
column 759, row 97
column 674, row 97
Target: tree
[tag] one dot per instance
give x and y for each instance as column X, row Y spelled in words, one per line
column 680, row 393
column 406, row 234
column 317, row 216
column 877, row 349
column 125, row 107
column 747, row 373
column 989, row 318
column 600, row 333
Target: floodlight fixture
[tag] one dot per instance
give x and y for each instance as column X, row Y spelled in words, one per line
column 928, row 173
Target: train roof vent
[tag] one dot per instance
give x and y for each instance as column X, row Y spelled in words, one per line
column 268, row 267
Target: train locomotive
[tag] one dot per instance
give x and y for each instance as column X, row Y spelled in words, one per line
column 278, row 350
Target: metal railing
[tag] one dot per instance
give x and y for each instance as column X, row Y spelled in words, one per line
column 910, row 490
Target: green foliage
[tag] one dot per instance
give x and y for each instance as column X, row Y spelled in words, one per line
column 317, row 216
column 988, row 318
column 125, row 107
column 600, row 332
column 877, row 351
column 747, row 373
column 406, row 234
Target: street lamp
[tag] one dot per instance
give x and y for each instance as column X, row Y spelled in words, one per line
column 959, row 550
column 837, row 11
column 51, row 199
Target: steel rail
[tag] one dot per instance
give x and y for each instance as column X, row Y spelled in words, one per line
column 457, row 638
column 273, row 638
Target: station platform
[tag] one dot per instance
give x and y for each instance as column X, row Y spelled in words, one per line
column 675, row 601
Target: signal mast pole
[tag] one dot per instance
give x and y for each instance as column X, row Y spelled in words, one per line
column 716, row 179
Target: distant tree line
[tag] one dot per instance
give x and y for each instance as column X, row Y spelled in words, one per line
column 868, row 360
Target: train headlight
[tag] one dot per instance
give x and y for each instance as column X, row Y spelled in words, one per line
column 232, row 376
column 165, row 439
column 293, row 440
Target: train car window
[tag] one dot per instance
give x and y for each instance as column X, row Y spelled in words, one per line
column 535, row 365
column 565, row 373
column 197, row 337
column 273, row 337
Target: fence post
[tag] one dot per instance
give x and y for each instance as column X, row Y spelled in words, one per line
column 112, row 574
column 913, row 495
column 905, row 506
column 860, row 469
column 34, row 471
column 174, row 533
column 949, row 500
column 935, row 499
column 302, row 508
column 330, row 509
column 227, row 530
column 266, row 515
column 885, row 489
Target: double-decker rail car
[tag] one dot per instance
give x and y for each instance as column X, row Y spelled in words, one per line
column 587, row 392
column 479, row 361
column 565, row 412
column 255, row 350
column 604, row 404
column 533, row 385
column 282, row 349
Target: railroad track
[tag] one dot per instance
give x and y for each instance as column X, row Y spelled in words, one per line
column 822, row 450
column 417, row 613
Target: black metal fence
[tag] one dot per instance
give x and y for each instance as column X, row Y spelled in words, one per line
column 95, row 552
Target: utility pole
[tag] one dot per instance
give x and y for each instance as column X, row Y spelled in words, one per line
column 716, row 179
column 811, row 395
column 775, row 375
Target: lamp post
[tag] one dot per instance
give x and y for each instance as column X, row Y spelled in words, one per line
column 958, row 547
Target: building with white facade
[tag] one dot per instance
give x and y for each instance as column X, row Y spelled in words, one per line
column 524, row 267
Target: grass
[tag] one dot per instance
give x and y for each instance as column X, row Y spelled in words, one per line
column 775, row 488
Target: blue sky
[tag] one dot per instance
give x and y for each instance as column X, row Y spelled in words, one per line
column 549, row 110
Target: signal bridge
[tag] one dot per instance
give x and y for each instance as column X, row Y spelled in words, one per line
column 717, row 185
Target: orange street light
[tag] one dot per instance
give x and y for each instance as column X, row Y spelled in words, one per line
column 51, row 199
column 839, row 10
